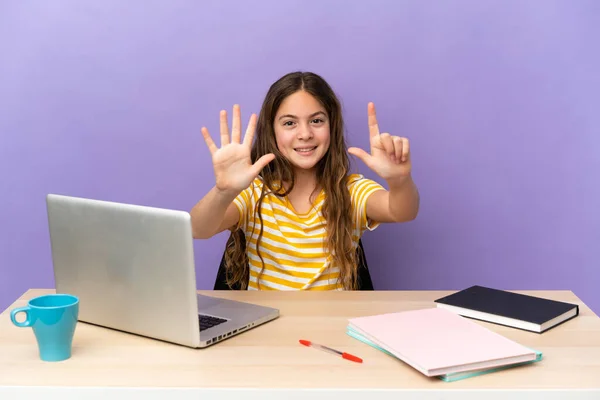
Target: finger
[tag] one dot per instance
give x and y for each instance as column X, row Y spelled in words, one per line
column 212, row 147
column 373, row 127
column 398, row 148
column 236, row 126
column 250, row 130
column 224, row 128
column 405, row 150
column 262, row 162
column 387, row 143
column 361, row 154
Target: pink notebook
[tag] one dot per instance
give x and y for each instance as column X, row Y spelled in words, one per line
column 436, row 341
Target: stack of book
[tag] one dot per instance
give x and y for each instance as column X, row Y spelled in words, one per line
column 440, row 342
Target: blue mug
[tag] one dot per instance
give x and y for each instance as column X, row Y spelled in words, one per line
column 53, row 318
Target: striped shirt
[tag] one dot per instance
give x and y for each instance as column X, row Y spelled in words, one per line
column 292, row 243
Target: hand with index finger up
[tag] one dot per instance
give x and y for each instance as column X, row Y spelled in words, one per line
column 390, row 155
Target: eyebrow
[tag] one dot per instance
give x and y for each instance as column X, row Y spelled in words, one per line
column 310, row 116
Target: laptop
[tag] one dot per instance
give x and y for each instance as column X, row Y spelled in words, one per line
column 133, row 269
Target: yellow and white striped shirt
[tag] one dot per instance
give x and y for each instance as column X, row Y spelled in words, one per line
column 292, row 243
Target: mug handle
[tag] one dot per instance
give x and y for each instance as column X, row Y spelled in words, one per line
column 14, row 313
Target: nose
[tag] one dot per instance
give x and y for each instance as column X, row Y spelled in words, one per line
column 304, row 132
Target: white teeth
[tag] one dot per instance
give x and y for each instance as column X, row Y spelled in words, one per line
column 306, row 150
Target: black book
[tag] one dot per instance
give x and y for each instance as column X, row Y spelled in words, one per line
column 501, row 307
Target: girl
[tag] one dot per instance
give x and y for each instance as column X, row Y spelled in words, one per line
column 289, row 195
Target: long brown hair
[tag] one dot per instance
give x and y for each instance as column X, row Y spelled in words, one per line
column 332, row 176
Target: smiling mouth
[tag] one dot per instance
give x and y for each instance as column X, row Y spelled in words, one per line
column 305, row 149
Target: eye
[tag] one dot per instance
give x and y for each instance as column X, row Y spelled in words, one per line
column 288, row 123
column 317, row 121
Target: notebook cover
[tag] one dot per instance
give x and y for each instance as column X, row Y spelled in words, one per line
column 447, row 377
column 508, row 304
column 434, row 339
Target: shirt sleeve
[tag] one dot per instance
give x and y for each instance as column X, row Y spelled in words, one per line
column 361, row 189
column 244, row 202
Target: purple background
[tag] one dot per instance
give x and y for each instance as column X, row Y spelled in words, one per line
column 500, row 100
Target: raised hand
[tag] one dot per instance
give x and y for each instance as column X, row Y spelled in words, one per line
column 233, row 166
column 390, row 155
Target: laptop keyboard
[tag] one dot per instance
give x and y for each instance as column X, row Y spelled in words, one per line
column 208, row 321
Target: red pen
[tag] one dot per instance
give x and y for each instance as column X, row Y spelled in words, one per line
column 345, row 355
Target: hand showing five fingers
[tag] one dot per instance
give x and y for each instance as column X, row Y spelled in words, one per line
column 233, row 166
column 390, row 155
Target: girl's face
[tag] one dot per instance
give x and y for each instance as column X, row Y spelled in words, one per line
column 302, row 130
